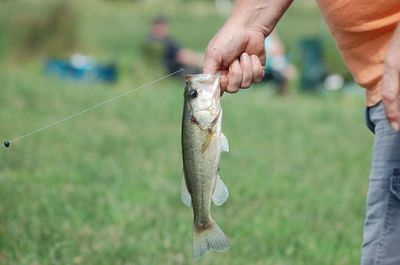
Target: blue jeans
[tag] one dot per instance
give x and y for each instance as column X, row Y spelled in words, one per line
column 381, row 242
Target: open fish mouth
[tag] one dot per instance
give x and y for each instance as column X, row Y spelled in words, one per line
column 205, row 82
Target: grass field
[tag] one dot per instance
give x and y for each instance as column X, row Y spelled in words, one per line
column 104, row 188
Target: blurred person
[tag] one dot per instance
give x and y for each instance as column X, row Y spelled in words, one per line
column 161, row 47
column 367, row 33
column 277, row 67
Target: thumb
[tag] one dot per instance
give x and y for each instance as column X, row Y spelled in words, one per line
column 210, row 65
column 390, row 93
column 212, row 60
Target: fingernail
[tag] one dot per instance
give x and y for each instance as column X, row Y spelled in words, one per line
column 395, row 126
column 261, row 77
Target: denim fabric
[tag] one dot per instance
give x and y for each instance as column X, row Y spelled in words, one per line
column 368, row 121
column 381, row 242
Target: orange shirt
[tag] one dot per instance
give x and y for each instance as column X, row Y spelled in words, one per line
column 362, row 30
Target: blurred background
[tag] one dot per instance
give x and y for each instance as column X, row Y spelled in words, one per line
column 104, row 188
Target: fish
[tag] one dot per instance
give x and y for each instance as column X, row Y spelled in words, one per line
column 202, row 143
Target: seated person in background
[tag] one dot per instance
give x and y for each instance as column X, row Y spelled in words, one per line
column 159, row 46
column 277, row 67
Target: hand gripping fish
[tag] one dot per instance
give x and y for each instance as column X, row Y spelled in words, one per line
column 202, row 144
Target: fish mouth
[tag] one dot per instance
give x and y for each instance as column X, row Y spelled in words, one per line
column 214, row 102
column 206, row 82
column 207, row 79
column 197, row 77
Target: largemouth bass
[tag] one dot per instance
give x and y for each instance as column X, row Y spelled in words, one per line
column 202, row 144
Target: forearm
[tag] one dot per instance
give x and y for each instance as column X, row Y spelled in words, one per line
column 391, row 81
column 259, row 15
column 190, row 57
column 394, row 48
column 238, row 48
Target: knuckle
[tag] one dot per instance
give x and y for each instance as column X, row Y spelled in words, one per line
column 257, row 68
column 388, row 95
column 232, row 90
column 258, row 75
column 253, row 57
column 257, row 80
column 260, row 71
column 256, row 60
column 246, row 85
column 233, row 85
column 207, row 52
column 223, row 86
column 224, row 82
column 236, row 71
column 244, row 57
column 245, row 65
column 391, row 116
column 391, row 62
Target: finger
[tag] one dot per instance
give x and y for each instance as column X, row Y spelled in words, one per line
column 210, row 67
column 234, row 77
column 224, row 81
column 390, row 96
column 211, row 63
column 247, row 69
column 258, row 69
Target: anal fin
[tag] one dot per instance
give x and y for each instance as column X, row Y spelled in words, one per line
column 185, row 195
column 221, row 192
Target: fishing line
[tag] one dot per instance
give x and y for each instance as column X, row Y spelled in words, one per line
column 7, row 144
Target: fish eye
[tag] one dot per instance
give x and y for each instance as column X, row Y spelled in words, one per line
column 193, row 93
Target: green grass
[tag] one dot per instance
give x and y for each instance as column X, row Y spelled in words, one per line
column 104, row 188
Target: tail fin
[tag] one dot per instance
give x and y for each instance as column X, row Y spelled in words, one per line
column 211, row 238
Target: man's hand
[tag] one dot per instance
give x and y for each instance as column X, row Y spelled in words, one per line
column 391, row 82
column 237, row 50
column 239, row 53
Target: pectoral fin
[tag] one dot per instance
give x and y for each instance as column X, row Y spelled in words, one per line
column 207, row 141
column 221, row 192
column 224, row 143
column 185, row 195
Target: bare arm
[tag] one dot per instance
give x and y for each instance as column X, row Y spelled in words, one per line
column 238, row 48
column 391, row 81
column 190, row 57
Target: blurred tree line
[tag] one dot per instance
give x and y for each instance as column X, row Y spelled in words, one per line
column 58, row 28
column 28, row 28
